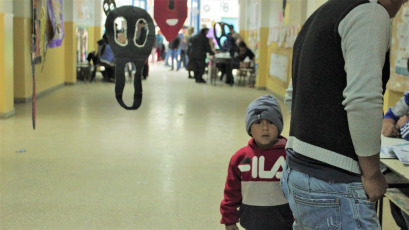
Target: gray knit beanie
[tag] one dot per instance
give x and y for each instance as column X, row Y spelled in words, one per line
column 266, row 107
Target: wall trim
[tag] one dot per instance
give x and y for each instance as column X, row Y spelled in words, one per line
column 8, row 114
column 276, row 95
column 29, row 99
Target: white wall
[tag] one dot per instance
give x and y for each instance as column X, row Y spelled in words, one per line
column 266, row 13
column 21, row 8
column 313, row 5
column 211, row 10
column 6, row 6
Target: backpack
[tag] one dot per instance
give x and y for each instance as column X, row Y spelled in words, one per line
column 175, row 43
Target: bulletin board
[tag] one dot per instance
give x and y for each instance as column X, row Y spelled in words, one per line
column 399, row 80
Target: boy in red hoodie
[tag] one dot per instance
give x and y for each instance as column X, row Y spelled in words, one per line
column 252, row 193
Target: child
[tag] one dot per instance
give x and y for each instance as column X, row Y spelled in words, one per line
column 395, row 122
column 253, row 179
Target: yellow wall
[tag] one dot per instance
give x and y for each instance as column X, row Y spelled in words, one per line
column 6, row 63
column 263, row 66
column 70, row 44
column 266, row 81
column 273, row 83
column 263, row 79
column 22, row 67
column 49, row 74
column 94, row 34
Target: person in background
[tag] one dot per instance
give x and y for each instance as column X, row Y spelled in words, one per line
column 395, row 124
column 198, row 47
column 243, row 53
column 182, row 57
column 399, row 112
column 106, row 59
column 159, row 44
column 252, row 193
column 335, row 131
column 140, row 40
column 188, row 35
column 173, row 51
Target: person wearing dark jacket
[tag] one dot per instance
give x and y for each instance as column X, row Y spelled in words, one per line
column 198, row 47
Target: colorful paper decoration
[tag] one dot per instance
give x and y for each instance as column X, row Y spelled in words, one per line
column 170, row 15
column 130, row 51
column 108, row 6
column 55, row 14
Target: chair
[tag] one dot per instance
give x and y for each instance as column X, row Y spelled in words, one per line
column 246, row 70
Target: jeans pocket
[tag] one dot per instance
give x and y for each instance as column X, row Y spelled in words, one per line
column 314, row 213
column 360, row 194
column 284, row 184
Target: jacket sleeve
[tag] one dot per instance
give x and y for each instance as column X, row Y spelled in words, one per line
column 404, row 131
column 232, row 196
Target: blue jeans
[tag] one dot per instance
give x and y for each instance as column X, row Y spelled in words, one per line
column 182, row 59
column 317, row 204
column 173, row 57
column 167, row 57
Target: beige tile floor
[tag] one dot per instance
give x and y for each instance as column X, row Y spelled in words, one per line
column 92, row 165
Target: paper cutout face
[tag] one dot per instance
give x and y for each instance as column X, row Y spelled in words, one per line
column 108, row 6
column 131, row 35
column 220, row 30
column 170, row 15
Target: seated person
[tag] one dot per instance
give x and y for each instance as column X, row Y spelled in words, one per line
column 242, row 56
column 105, row 52
column 395, row 124
column 390, row 128
column 106, row 59
column 403, row 126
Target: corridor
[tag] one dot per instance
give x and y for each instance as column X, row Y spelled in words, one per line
column 90, row 164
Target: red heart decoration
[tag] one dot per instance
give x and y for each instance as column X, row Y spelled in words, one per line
column 170, row 15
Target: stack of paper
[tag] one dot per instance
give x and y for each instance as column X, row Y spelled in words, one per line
column 396, row 151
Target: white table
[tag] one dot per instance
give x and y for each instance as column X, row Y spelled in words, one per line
column 394, row 164
column 393, row 194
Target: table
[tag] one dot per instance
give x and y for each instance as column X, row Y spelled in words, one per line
column 399, row 178
column 394, row 164
column 219, row 58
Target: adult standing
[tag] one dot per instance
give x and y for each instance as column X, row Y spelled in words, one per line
column 159, row 45
column 182, row 57
column 140, row 40
column 339, row 72
column 198, row 47
column 173, row 49
column 188, row 35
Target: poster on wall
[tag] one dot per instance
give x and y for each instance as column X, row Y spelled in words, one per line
column 279, row 66
column 55, row 15
column 83, row 12
column 403, row 44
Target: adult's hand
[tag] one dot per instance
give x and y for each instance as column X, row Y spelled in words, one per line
column 372, row 178
column 375, row 186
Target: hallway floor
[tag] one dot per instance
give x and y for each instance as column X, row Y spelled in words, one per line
column 90, row 164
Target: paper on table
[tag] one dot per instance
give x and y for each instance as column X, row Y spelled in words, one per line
column 387, row 152
column 396, row 151
column 403, row 154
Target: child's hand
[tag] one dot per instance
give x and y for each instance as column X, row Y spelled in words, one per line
column 232, row 227
column 402, row 121
column 389, row 129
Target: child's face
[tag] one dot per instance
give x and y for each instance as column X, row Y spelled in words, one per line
column 264, row 133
